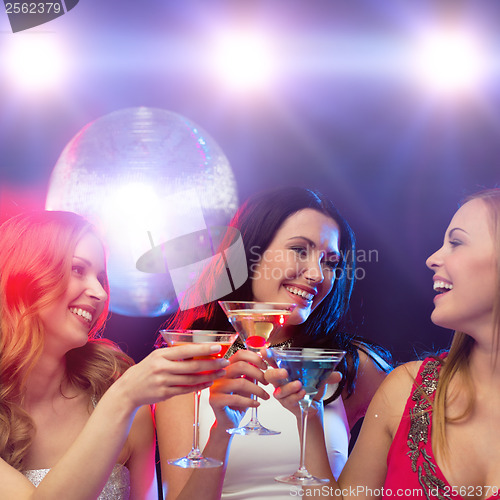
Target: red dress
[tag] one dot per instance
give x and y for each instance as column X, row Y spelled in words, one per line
column 412, row 471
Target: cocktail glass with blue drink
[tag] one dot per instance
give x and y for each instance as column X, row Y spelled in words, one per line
column 312, row 367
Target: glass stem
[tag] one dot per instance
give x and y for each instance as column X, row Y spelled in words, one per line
column 196, row 426
column 304, row 411
column 254, row 421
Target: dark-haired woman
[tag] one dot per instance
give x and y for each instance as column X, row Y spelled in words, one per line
column 300, row 250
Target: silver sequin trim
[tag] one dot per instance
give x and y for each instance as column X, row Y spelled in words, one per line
column 419, row 433
column 117, row 487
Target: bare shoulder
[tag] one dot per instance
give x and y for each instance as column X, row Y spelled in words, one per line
column 371, row 364
column 392, row 395
column 367, row 464
column 400, row 380
column 373, row 374
column 370, row 374
column 404, row 373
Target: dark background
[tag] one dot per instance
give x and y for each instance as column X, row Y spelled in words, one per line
column 343, row 115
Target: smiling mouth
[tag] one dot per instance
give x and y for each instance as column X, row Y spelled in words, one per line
column 442, row 287
column 300, row 293
column 82, row 314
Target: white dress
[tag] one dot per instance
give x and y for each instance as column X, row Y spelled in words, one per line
column 254, row 461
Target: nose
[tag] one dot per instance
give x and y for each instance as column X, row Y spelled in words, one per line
column 434, row 260
column 314, row 271
column 96, row 290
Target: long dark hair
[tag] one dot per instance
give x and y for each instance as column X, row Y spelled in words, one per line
column 258, row 221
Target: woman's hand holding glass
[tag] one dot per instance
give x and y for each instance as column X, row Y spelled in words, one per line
column 168, row 372
column 231, row 395
column 290, row 393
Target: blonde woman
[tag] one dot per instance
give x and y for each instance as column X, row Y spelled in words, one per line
column 75, row 420
column 432, row 430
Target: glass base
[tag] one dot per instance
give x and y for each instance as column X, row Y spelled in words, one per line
column 256, row 430
column 302, row 479
column 195, row 462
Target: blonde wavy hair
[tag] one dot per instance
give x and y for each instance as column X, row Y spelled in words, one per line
column 456, row 362
column 36, row 250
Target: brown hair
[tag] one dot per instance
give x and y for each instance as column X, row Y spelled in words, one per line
column 35, row 264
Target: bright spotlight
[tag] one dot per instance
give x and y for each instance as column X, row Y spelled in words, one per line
column 34, row 62
column 243, row 61
column 450, row 61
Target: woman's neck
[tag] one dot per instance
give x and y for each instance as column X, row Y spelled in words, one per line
column 282, row 335
column 484, row 362
column 46, row 380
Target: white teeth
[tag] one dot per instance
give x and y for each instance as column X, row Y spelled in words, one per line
column 300, row 293
column 440, row 285
column 81, row 312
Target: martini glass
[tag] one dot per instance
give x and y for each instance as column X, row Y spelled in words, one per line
column 194, row 459
column 256, row 322
column 311, row 367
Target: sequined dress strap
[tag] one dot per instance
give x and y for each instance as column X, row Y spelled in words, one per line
column 117, row 487
column 411, row 464
column 422, row 397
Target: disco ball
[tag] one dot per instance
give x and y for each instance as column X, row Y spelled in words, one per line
column 143, row 176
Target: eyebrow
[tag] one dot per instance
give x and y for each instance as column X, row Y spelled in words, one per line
column 311, row 243
column 89, row 264
column 450, row 232
column 83, row 260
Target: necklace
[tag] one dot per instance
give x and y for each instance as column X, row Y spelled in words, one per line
column 238, row 344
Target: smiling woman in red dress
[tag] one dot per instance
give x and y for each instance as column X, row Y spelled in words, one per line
column 432, row 429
